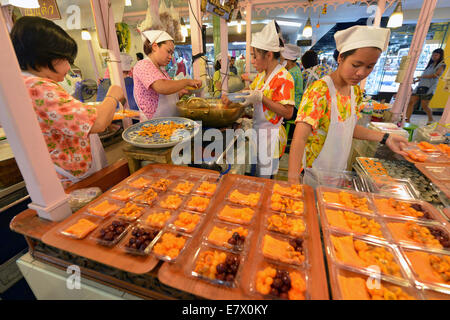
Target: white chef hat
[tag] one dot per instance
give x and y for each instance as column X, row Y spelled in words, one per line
column 291, row 52
column 126, row 61
column 155, row 36
column 267, row 39
column 361, row 37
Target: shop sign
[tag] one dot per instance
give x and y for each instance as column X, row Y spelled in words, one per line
column 48, row 9
column 219, row 8
column 304, row 43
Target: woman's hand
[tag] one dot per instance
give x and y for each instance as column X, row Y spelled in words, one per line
column 397, row 143
column 182, row 92
column 251, row 97
column 245, row 77
column 225, row 100
column 194, row 83
column 116, row 92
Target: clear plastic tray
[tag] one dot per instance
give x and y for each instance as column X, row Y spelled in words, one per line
column 146, row 197
column 263, row 264
column 96, row 236
column 123, row 193
column 220, row 241
column 153, row 233
column 287, row 205
column 371, row 166
column 400, row 276
column 157, row 172
column 331, row 220
column 232, row 274
column 185, row 229
column 340, row 179
column 273, row 218
column 205, row 186
column 159, row 244
column 430, row 213
column 65, row 226
column 183, row 186
column 439, row 172
column 400, row 234
column 290, row 190
column 288, row 242
column 236, row 192
column 430, row 277
column 234, row 218
column 436, row 295
column 96, row 212
column 161, row 183
column 172, row 206
column 324, row 192
column 339, row 275
column 153, row 212
column 201, row 206
column 136, row 214
column 388, row 186
column 140, row 182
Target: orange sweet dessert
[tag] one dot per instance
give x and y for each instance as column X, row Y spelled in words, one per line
column 81, row 228
column 281, row 223
column 417, row 155
column 207, row 188
column 187, row 221
column 169, row 245
column 395, row 207
column 445, row 149
column 427, row 147
column 250, row 199
column 171, row 202
column 228, row 237
column 197, row 203
column 161, row 184
column 184, row 187
column 347, row 200
column 374, row 168
column 158, row 219
column 280, row 283
column 355, row 288
column 123, row 195
column 361, row 254
column 165, row 130
column 293, row 191
column 103, row 209
column 217, row 265
column 286, row 205
column 430, row 267
column 140, row 183
column 147, row 197
column 413, row 232
column 350, row 221
column 131, row 211
column 238, row 215
column 282, row 250
column 124, row 113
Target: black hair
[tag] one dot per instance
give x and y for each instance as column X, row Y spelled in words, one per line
column 441, row 53
column 217, row 65
column 276, row 55
column 38, row 41
column 336, row 55
column 148, row 46
column 234, row 58
column 139, row 56
column 310, row 59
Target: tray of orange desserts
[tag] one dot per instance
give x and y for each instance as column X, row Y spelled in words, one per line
column 425, row 152
column 383, row 247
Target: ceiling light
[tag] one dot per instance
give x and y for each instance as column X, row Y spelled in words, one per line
column 28, row 4
column 307, row 30
column 239, row 22
column 396, row 18
column 289, row 23
column 85, row 35
column 128, row 3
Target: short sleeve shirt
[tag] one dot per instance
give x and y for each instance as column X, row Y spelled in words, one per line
column 145, row 73
column 65, row 123
column 317, row 72
column 315, row 111
column 280, row 89
column 298, row 84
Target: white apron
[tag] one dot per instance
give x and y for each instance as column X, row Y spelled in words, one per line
column 338, row 141
column 269, row 166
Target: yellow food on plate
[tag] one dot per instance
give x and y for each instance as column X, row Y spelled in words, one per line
column 165, row 130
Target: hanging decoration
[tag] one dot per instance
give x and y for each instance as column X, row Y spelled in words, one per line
column 324, row 10
column 123, row 36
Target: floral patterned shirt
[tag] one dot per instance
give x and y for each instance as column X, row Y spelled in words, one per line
column 280, row 89
column 315, row 111
column 298, row 81
column 319, row 71
column 65, row 123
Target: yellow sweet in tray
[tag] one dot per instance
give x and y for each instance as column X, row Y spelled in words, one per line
column 147, row 197
column 158, row 219
column 294, row 190
column 207, row 188
column 414, row 232
column 123, row 195
column 238, row 215
column 169, row 245
column 284, row 224
column 347, row 200
column 130, row 211
column 81, row 228
column 187, row 221
column 103, row 209
column 281, row 250
column 197, row 203
column 430, row 267
column 286, row 205
column 171, row 202
column 269, row 281
column 350, row 221
column 250, row 199
column 184, row 187
column 140, row 183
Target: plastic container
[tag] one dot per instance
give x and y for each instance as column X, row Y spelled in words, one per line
column 438, row 172
column 401, row 234
column 160, row 242
column 64, row 229
column 152, row 234
column 146, row 197
column 161, row 183
column 436, row 295
column 430, row 278
column 340, row 179
column 81, row 197
column 331, row 196
column 176, row 221
column 296, row 244
column 183, row 186
column 154, row 217
column 388, row 186
column 287, row 205
column 372, row 166
column 263, row 264
column 234, row 217
column 141, row 182
column 290, row 190
column 131, row 211
column 339, row 276
column 163, row 203
column 399, row 276
column 123, row 193
column 197, row 203
column 96, row 236
column 99, row 209
column 157, row 172
column 289, row 225
column 246, row 188
column 220, row 238
column 231, row 279
column 331, row 218
column 207, row 186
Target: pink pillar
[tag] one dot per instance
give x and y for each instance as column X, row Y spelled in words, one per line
column 423, row 24
column 94, row 62
column 224, row 51
column 248, row 37
column 195, row 18
column 25, row 137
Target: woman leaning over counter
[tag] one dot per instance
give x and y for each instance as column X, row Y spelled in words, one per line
column 69, row 126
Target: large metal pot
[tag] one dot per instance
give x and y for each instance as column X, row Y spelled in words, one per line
column 212, row 112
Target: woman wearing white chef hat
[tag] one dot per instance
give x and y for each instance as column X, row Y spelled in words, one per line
column 155, row 93
column 326, row 120
column 272, row 96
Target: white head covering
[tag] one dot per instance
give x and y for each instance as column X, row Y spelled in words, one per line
column 291, row 52
column 155, row 36
column 267, row 39
column 126, row 61
column 361, row 37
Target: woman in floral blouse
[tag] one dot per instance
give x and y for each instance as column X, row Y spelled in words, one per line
column 67, row 124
